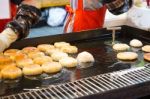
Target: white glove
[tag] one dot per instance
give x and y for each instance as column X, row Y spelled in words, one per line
column 7, row 37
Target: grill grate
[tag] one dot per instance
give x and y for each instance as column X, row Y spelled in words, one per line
column 89, row 86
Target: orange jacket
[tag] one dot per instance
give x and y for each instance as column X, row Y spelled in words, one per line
column 3, row 22
column 80, row 18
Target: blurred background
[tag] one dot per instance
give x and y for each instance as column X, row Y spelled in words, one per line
column 53, row 16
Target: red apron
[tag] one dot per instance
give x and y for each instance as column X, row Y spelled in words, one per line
column 81, row 19
column 3, row 22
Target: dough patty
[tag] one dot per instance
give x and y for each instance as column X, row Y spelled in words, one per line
column 147, row 56
column 127, row 56
column 146, row 48
column 120, row 47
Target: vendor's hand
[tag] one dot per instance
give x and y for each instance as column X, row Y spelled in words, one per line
column 7, row 37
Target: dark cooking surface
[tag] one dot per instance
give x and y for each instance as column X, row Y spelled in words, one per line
column 105, row 62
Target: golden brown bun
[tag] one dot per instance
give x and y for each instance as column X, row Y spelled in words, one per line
column 58, row 55
column 7, row 65
column 24, row 62
column 147, row 56
column 51, row 67
column 32, row 70
column 2, row 67
column 5, row 60
column 14, row 54
column 41, row 60
column 35, row 54
column 120, row 47
column 11, row 73
column 19, row 56
column 45, row 47
column 127, row 56
column 29, row 49
column 69, row 49
column 11, row 52
column 61, row 44
column 146, row 48
column 68, row 62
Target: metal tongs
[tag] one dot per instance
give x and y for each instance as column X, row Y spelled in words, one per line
column 113, row 32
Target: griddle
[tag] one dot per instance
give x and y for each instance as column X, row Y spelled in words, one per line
column 95, row 42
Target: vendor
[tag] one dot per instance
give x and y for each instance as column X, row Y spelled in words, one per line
column 90, row 14
column 83, row 15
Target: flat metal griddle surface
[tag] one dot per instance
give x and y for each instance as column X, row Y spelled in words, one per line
column 105, row 62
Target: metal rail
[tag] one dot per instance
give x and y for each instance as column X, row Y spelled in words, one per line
column 88, row 86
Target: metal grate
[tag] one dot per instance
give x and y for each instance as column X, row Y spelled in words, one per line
column 88, row 86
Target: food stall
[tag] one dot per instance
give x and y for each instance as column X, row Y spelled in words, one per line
column 107, row 77
column 104, row 75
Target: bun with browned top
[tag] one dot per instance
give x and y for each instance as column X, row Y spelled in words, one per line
column 61, row 44
column 11, row 73
column 147, row 56
column 69, row 49
column 32, row 70
column 52, row 67
column 29, row 49
column 146, row 48
column 128, row 56
column 120, row 47
column 45, row 47
column 68, row 62
column 43, row 59
column 24, row 62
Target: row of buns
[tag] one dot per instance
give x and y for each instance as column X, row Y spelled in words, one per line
column 135, row 43
column 32, row 61
column 124, row 54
